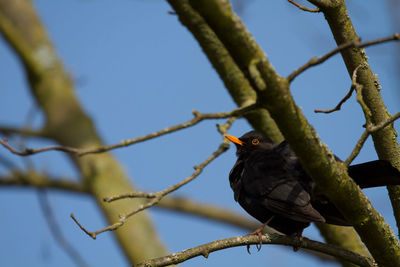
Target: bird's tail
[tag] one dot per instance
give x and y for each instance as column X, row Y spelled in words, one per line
column 374, row 173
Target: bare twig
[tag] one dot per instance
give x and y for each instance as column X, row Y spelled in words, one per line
column 198, row 117
column 347, row 96
column 339, row 105
column 355, row 43
column 31, row 151
column 369, row 129
column 372, row 128
column 56, row 231
column 303, row 7
column 206, row 249
column 91, row 234
column 323, row 3
column 198, row 169
column 156, row 197
column 360, row 143
column 357, row 148
column 365, row 108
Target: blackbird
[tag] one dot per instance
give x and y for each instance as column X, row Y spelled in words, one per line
column 269, row 182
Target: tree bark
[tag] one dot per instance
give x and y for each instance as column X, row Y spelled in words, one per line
column 67, row 124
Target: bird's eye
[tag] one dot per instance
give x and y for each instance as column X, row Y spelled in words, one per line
column 255, row 141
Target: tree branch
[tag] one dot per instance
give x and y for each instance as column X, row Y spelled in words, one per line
column 206, row 249
column 385, row 141
column 303, row 7
column 354, row 43
column 226, row 30
column 66, row 121
column 198, row 117
column 226, row 66
column 156, row 197
column 316, row 158
column 360, row 143
column 324, row 4
column 375, row 128
column 369, row 129
column 353, row 86
column 177, row 204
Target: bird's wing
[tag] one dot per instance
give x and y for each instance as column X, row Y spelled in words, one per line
column 235, row 179
column 290, row 200
column 276, row 183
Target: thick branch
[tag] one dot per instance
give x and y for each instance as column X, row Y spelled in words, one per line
column 274, row 94
column 385, row 141
column 206, row 249
column 219, row 29
column 229, row 71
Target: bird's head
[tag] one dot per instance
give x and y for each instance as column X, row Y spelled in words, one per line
column 251, row 141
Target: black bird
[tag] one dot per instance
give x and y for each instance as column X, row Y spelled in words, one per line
column 269, row 182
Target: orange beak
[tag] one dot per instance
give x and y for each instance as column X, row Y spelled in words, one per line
column 234, row 139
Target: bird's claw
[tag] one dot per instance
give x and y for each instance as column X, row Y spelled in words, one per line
column 248, row 249
column 257, row 232
column 296, row 247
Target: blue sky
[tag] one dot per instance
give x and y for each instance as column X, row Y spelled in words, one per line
column 138, row 70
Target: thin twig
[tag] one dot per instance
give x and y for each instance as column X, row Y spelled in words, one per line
column 91, row 234
column 339, row 105
column 304, row 8
column 56, row 231
column 369, row 129
column 156, row 197
column 357, row 148
column 323, row 4
column 31, row 151
column 347, row 96
column 355, row 43
column 198, row 169
column 198, row 117
column 372, row 128
column 206, row 249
